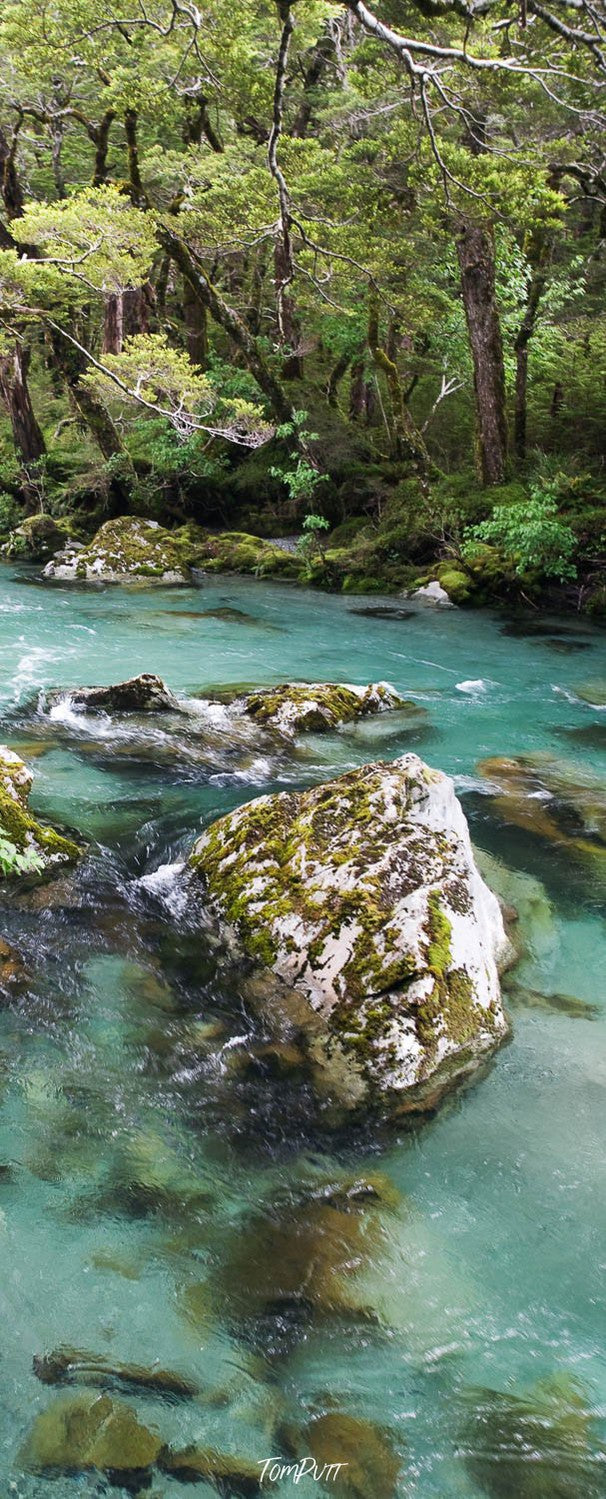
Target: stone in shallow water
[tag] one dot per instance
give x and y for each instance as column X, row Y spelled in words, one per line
column 542, row 1445
column 354, row 1458
column 146, row 693
column 298, row 1259
column 85, row 1431
column 229, row 1474
column 561, row 803
column 557, row 1004
column 317, row 707
column 362, row 899
column 593, row 692
column 67, row 1365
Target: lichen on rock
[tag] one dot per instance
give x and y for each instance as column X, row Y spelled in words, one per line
column 45, row 848
column 127, row 550
column 317, row 707
column 362, row 898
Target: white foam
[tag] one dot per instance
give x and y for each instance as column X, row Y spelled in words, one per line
column 67, row 713
column 164, row 883
column 474, row 686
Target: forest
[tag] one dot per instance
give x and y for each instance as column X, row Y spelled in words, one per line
column 310, row 270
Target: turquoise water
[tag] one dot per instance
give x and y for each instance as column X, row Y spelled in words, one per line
column 147, row 1171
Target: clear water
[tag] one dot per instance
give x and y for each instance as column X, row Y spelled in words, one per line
column 488, row 1271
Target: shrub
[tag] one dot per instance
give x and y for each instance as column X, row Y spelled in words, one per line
column 530, row 535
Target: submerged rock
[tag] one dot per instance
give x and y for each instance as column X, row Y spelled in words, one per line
column 362, row 898
column 552, row 800
column 36, row 848
column 13, row 972
column 66, row 1365
column 542, row 1445
column 230, row 1475
column 298, row 707
column 556, row 1004
column 127, row 550
column 298, row 1259
column 367, row 1462
column 146, row 693
column 80, row 1432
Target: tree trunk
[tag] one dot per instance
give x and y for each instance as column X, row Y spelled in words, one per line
column 334, row 379
column 536, row 287
column 209, row 296
column 126, row 313
column 196, row 326
column 357, row 391
column 93, row 414
column 475, row 250
column 408, row 443
column 292, row 366
column 27, row 436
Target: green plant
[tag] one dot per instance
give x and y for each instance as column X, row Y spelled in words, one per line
column 301, row 478
column 530, row 535
column 309, row 546
column 12, row 861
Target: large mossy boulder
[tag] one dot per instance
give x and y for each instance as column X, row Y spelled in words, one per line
column 126, row 550
column 362, row 900
column 28, row 845
column 316, row 707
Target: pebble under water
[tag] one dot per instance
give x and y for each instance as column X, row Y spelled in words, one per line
column 424, row 1298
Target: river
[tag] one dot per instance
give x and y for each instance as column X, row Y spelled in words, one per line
column 141, row 1162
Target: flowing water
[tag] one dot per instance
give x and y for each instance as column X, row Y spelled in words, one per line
column 152, row 1182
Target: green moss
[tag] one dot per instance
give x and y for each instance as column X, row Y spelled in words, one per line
column 439, row 931
column 23, row 830
column 456, row 583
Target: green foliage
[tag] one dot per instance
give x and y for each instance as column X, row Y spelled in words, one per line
column 12, row 861
column 309, row 546
column 298, row 473
column 530, row 535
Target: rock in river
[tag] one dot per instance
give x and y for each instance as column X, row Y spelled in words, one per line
column 362, row 899
column 36, row 847
column 126, row 550
column 317, row 707
column 146, row 693
column 80, row 1432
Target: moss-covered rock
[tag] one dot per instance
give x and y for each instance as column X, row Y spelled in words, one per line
column 38, row 537
column 298, row 707
column 456, row 583
column 44, row 848
column 362, row 898
column 235, row 552
column 89, row 1431
column 126, row 550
